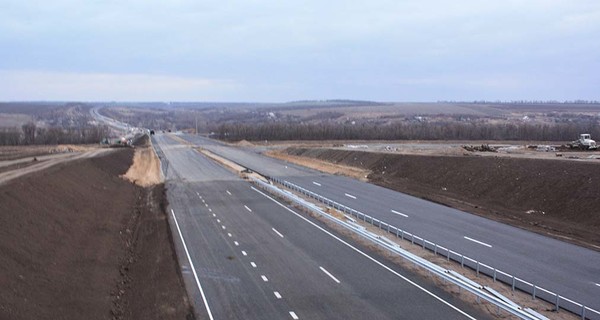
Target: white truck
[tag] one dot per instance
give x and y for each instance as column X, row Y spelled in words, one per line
column 585, row 142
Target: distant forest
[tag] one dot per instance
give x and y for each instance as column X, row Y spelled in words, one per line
column 407, row 131
column 32, row 135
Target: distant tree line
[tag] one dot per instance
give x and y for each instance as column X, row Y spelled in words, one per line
column 407, row 131
column 30, row 134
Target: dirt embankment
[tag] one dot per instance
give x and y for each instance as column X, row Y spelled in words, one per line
column 145, row 170
column 555, row 198
column 79, row 242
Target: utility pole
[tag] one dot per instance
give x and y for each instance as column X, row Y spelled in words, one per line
column 196, row 117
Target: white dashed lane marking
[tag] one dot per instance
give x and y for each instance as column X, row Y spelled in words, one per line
column 479, row 242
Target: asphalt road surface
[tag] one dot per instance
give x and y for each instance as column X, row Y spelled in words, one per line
column 246, row 256
column 569, row 270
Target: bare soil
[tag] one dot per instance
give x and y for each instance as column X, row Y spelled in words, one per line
column 79, row 242
column 555, row 198
column 145, row 170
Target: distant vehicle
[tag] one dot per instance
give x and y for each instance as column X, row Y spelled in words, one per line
column 585, row 142
column 151, row 132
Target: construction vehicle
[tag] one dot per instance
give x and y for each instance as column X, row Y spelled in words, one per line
column 585, row 142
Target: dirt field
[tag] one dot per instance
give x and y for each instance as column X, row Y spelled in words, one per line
column 79, row 242
column 556, row 198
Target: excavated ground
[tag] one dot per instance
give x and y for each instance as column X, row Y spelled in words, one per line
column 79, row 242
column 556, row 198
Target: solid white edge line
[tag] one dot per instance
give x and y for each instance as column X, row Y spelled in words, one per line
column 400, row 213
column 293, row 315
column 187, row 253
column 316, row 183
column 277, row 295
column 329, row 274
column 279, row 234
column 479, row 242
column 349, row 195
column 247, row 208
column 367, row 256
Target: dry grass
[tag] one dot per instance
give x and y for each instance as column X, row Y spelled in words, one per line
column 145, row 170
column 320, row 165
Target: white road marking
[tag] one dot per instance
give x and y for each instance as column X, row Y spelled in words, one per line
column 219, row 221
column 209, row 210
column 198, row 193
column 206, row 204
column 244, row 253
column 477, row 241
column 214, row 215
column 264, row 278
column 366, row 255
column 236, row 243
column 229, row 193
column 294, row 316
column 598, row 284
column 248, row 208
column 229, row 235
column 253, row 264
column 349, row 196
column 316, row 183
column 279, row 234
column 277, row 295
column 400, row 213
column 203, row 200
column 329, row 274
column 187, row 253
column 223, row 227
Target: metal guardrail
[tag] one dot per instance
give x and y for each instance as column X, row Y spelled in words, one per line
column 516, row 283
column 478, row 290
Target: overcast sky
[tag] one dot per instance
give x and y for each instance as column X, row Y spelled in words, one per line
column 277, row 50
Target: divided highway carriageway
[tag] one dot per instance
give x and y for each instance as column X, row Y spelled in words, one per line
column 569, row 270
column 244, row 255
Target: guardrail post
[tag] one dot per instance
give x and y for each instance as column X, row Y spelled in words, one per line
column 462, row 260
column 513, row 283
column 435, row 250
column 412, row 239
column 494, row 274
column 582, row 312
column 402, row 235
column 478, row 268
column 448, row 254
column 397, row 233
column 388, row 228
column 557, row 299
column 533, row 294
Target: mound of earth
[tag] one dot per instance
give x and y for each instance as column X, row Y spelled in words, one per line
column 557, row 198
column 79, row 242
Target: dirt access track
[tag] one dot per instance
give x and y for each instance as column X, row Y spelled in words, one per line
column 555, row 198
column 78, row 241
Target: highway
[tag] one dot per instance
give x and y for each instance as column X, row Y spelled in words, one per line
column 567, row 269
column 246, row 256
